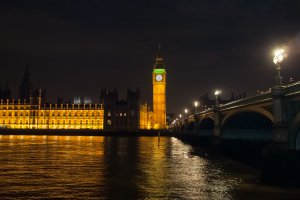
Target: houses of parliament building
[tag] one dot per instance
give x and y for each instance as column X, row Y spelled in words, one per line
column 31, row 111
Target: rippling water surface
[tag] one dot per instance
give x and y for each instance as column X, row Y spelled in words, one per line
column 87, row 167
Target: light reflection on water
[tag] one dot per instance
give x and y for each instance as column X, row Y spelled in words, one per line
column 91, row 167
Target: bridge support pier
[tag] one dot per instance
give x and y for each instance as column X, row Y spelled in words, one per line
column 217, row 127
column 280, row 130
column 216, row 142
column 280, row 162
column 280, row 134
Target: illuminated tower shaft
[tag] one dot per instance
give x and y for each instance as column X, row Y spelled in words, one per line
column 159, row 94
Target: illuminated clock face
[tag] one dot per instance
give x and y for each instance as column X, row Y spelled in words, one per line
column 158, row 77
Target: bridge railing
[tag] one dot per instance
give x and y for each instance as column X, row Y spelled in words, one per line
column 292, row 89
column 252, row 100
column 264, row 97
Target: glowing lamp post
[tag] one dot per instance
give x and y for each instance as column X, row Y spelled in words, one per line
column 217, row 94
column 196, row 104
column 279, row 55
column 186, row 111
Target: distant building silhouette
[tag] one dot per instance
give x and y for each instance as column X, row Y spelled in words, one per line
column 77, row 100
column 87, row 100
column 121, row 114
column 28, row 93
column 6, row 92
column 109, row 99
column 60, row 100
column 38, row 96
column 26, row 88
column 31, row 111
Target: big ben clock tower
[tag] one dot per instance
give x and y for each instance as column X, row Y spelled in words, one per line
column 159, row 93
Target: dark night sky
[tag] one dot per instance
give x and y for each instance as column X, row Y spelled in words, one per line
column 75, row 47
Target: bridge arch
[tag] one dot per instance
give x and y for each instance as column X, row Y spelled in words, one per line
column 259, row 110
column 248, row 124
column 295, row 132
column 191, row 126
column 206, row 123
column 206, row 126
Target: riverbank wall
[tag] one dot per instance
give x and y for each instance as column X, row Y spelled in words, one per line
column 84, row 132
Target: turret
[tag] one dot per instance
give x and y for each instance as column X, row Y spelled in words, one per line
column 26, row 86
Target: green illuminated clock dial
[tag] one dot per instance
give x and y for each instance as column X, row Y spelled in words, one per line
column 158, row 77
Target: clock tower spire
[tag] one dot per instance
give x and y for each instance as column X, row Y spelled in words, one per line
column 159, row 92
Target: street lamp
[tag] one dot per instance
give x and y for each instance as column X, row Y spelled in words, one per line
column 186, row 111
column 180, row 115
column 217, row 93
column 279, row 55
column 196, row 104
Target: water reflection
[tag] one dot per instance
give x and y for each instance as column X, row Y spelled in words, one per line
column 84, row 167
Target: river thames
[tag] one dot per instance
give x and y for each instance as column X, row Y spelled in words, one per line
column 97, row 167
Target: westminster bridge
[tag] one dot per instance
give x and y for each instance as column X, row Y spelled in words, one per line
column 274, row 114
